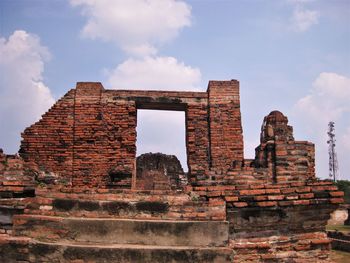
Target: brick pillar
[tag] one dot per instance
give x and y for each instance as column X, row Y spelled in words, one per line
column 119, row 153
column 226, row 139
column 197, row 142
column 87, row 126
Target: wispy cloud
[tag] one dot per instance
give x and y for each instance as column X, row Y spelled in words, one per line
column 303, row 18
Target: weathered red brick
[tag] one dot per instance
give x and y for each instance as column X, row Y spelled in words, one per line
column 267, row 203
column 336, row 194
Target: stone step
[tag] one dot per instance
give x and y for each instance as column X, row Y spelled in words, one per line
column 67, row 252
column 152, row 207
column 111, row 193
column 122, row 231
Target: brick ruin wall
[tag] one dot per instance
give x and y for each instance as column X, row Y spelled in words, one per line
column 276, row 207
column 91, row 132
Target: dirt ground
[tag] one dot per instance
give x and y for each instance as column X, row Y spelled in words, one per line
column 340, row 256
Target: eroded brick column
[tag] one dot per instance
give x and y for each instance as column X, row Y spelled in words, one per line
column 226, row 139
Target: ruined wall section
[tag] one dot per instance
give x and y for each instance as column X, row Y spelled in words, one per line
column 88, row 138
column 295, row 161
column 226, row 139
column 16, row 179
column 104, row 138
column 49, row 142
column 84, row 137
column 16, row 183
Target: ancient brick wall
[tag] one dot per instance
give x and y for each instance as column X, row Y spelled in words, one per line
column 91, row 133
column 49, row 142
column 89, row 137
column 104, row 138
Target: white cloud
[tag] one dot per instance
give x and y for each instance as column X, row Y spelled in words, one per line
column 155, row 73
column 137, row 26
column 329, row 100
column 23, row 95
column 304, row 19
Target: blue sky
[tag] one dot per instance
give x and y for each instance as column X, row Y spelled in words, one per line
column 290, row 55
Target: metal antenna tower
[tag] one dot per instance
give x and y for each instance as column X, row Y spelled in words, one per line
column 333, row 162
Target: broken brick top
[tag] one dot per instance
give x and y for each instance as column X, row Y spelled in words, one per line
column 275, row 127
column 158, row 171
column 159, row 161
column 91, row 132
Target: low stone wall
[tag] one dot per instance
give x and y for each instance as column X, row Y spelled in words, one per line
column 339, row 216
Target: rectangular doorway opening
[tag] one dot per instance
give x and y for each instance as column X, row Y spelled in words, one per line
column 162, row 133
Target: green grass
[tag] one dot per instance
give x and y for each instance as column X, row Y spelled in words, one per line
column 340, row 228
column 340, row 256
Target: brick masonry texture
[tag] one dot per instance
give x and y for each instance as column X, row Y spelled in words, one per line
column 79, row 161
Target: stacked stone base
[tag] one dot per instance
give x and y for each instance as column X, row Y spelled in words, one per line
column 277, row 222
column 199, row 224
column 21, row 250
column 305, row 247
column 132, row 226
